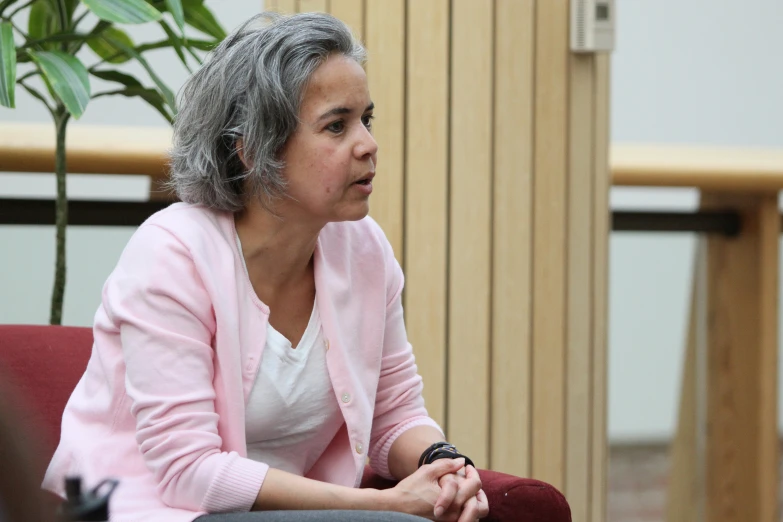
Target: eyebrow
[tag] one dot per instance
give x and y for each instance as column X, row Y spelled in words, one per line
column 343, row 110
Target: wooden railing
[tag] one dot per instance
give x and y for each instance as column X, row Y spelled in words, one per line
column 725, row 454
column 98, row 149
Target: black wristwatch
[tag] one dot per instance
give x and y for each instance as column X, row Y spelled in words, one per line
column 442, row 450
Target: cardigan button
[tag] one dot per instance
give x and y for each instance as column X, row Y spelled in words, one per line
column 346, row 398
column 359, row 448
column 326, row 344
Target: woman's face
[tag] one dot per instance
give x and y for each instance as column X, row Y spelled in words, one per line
column 330, row 159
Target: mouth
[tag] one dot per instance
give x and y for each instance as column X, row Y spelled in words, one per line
column 366, row 180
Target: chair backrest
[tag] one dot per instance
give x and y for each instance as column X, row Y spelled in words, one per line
column 41, row 366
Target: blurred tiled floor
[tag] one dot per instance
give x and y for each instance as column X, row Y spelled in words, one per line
column 637, row 483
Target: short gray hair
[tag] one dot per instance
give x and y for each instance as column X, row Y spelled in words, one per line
column 251, row 87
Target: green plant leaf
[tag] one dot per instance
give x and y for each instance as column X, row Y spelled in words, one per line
column 135, row 88
column 176, row 42
column 112, row 75
column 123, row 11
column 175, row 8
column 105, row 46
column 48, row 18
column 68, row 78
column 203, row 45
column 151, row 96
column 165, row 91
column 4, row 4
column 43, row 22
column 7, row 65
column 199, row 17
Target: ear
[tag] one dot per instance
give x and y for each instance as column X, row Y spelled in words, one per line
column 240, row 148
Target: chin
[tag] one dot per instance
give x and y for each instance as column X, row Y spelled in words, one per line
column 356, row 213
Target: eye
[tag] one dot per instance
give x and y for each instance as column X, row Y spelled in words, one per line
column 336, row 127
column 367, row 120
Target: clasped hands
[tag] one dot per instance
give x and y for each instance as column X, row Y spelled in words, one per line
column 446, row 491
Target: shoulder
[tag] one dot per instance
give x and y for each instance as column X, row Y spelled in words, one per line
column 188, row 222
column 177, row 239
column 196, row 228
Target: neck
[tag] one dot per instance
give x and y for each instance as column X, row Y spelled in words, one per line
column 278, row 252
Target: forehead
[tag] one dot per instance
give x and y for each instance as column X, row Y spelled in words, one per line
column 339, row 81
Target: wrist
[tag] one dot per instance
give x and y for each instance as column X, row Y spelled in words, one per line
column 378, row 499
column 442, row 450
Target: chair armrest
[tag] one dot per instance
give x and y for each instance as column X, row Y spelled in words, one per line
column 511, row 499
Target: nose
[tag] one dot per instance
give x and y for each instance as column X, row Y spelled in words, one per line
column 366, row 146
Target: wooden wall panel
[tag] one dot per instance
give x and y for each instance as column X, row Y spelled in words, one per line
column 385, row 38
column 512, row 237
column 579, row 342
column 426, row 190
column 309, row 6
column 549, row 241
column 352, row 13
column 600, row 291
column 281, row 6
column 470, row 227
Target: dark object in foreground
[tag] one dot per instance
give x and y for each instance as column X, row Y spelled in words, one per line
column 90, row 506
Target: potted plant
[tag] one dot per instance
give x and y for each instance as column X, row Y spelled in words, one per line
column 56, row 31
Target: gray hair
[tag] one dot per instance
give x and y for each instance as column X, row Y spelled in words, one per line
column 251, row 87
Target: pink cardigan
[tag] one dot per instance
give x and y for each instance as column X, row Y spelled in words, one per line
column 178, row 340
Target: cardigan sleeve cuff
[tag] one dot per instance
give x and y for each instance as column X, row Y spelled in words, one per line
column 236, row 486
column 379, row 460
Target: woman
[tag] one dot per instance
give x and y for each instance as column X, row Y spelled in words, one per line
column 250, row 352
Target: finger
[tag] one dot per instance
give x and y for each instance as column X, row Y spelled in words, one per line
column 448, row 492
column 443, row 467
column 470, row 512
column 483, row 503
column 468, row 488
column 471, row 472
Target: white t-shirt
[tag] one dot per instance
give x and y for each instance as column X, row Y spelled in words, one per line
column 292, row 402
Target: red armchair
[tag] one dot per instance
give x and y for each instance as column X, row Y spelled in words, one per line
column 44, row 363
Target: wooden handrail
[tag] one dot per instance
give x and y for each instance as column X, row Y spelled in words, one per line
column 92, row 149
column 97, row 149
column 707, row 168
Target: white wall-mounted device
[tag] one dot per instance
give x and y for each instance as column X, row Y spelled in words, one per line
column 592, row 26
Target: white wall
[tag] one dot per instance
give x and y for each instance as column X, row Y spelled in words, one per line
column 685, row 71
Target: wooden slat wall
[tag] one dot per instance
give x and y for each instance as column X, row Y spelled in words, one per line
column 470, row 228
column 426, row 193
column 512, row 237
column 492, row 187
column 600, row 299
column 281, row 6
column 352, row 13
column 385, row 40
column 309, row 6
column 550, row 172
column 579, row 379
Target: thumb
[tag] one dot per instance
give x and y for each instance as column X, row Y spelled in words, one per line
column 445, row 466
